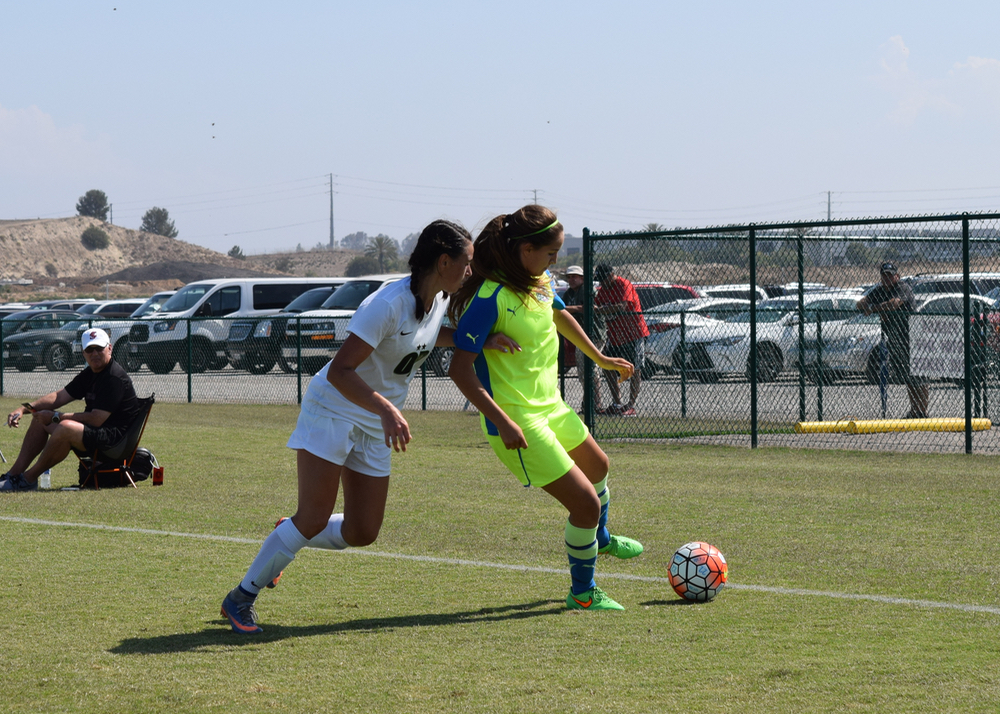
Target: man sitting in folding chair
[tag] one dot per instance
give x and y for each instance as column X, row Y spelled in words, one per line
column 111, row 407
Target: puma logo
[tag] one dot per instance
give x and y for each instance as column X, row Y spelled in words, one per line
column 513, row 310
column 474, row 338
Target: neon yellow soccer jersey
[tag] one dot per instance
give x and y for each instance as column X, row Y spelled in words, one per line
column 526, row 380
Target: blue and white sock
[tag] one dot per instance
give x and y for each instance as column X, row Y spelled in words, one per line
column 581, row 548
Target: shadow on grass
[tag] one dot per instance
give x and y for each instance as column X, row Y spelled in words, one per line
column 223, row 635
column 664, row 603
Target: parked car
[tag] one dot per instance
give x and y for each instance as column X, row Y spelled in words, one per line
column 192, row 326
column 724, row 348
column 49, row 346
column 255, row 344
column 323, row 331
column 651, row 294
column 118, row 330
column 664, row 322
column 851, row 348
column 110, row 308
column 741, row 292
column 26, row 320
column 60, row 304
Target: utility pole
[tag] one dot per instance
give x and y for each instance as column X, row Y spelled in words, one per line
column 111, row 209
column 535, row 191
column 331, row 212
column 828, row 205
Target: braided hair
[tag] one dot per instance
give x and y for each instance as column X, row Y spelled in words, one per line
column 439, row 238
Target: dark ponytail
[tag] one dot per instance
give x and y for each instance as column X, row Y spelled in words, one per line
column 437, row 239
column 497, row 256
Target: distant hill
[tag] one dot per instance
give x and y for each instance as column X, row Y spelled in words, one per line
column 50, row 253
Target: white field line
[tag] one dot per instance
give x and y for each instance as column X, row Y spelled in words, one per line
column 884, row 599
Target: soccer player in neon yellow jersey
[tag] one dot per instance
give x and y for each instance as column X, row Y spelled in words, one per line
column 536, row 435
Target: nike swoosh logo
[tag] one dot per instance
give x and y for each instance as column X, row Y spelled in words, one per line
column 581, row 603
column 406, row 333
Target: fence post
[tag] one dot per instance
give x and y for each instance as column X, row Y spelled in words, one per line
column 819, row 366
column 753, row 341
column 799, row 249
column 967, row 334
column 588, row 327
column 298, row 355
column 188, row 322
column 683, row 346
column 423, row 385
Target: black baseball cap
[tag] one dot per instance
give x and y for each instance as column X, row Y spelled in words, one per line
column 888, row 268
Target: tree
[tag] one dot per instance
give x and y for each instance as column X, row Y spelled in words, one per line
column 361, row 265
column 355, row 241
column 157, row 220
column 653, row 228
column 384, row 250
column 95, row 239
column 94, row 203
column 236, row 252
column 409, row 243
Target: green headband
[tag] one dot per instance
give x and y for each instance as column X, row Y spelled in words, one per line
column 542, row 230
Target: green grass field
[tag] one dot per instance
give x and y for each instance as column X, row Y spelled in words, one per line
column 427, row 620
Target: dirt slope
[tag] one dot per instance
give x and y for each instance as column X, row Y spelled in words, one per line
column 51, row 254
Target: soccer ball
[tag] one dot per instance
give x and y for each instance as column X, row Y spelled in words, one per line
column 698, row 571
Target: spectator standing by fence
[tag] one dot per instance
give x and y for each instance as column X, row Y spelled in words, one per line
column 618, row 302
column 574, row 300
column 894, row 302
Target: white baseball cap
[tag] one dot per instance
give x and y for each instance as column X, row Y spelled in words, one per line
column 574, row 270
column 96, row 338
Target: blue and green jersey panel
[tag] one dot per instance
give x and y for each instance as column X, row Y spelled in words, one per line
column 526, row 380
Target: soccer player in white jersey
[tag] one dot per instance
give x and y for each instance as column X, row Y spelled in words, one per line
column 350, row 420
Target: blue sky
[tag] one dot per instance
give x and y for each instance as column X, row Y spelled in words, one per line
column 232, row 116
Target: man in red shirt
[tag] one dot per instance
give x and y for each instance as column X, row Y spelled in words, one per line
column 618, row 302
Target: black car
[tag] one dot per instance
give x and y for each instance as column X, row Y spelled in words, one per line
column 26, row 320
column 52, row 347
column 255, row 344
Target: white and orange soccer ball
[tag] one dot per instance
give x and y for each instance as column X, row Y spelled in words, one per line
column 698, row 571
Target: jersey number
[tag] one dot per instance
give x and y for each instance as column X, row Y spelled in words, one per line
column 406, row 365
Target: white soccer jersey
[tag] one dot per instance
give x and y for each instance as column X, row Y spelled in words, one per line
column 386, row 320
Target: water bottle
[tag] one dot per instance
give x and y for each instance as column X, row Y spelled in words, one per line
column 45, row 480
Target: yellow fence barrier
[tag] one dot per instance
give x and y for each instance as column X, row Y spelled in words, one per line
column 879, row 426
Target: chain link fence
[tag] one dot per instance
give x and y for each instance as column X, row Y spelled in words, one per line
column 800, row 364
column 778, row 352
column 209, row 360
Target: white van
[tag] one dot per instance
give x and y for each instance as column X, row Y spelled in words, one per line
column 203, row 311
column 323, row 331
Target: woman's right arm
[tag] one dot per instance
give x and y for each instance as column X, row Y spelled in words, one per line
column 463, row 374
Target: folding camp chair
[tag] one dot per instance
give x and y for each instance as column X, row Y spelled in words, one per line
column 117, row 458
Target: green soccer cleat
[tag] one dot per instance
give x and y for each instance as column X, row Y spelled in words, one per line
column 622, row 547
column 593, row 599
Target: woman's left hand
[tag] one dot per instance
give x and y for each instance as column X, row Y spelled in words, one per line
column 623, row 367
column 500, row 341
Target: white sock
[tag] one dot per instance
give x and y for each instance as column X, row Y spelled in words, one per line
column 277, row 551
column 330, row 538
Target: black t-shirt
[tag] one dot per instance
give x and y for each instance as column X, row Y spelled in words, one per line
column 895, row 324
column 109, row 390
